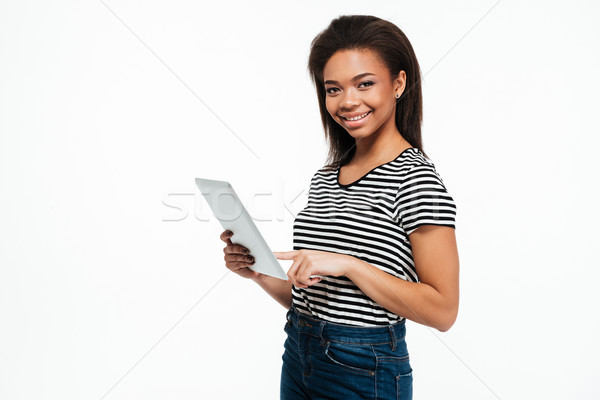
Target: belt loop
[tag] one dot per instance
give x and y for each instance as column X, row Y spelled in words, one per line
column 321, row 327
column 392, row 336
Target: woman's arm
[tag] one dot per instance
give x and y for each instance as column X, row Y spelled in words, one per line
column 277, row 288
column 434, row 300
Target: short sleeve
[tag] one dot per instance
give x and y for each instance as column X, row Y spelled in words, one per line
column 422, row 199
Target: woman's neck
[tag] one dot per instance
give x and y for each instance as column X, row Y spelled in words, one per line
column 379, row 151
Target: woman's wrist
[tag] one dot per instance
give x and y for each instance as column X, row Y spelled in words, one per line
column 258, row 278
column 351, row 266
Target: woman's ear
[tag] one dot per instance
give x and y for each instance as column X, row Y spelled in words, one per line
column 400, row 83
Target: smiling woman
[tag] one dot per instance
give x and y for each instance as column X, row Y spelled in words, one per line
column 362, row 103
column 375, row 244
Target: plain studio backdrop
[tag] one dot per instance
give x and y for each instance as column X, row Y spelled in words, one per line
column 112, row 278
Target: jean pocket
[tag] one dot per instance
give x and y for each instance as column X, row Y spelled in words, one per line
column 404, row 386
column 395, row 364
column 353, row 357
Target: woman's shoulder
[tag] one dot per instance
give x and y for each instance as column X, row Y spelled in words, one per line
column 419, row 172
column 415, row 165
column 413, row 157
column 326, row 170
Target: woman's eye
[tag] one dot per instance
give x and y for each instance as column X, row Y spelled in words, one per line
column 333, row 90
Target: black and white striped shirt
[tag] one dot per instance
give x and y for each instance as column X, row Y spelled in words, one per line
column 369, row 219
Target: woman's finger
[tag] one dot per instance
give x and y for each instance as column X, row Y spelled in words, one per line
column 226, row 236
column 304, row 273
column 293, row 271
column 285, row 255
column 300, row 274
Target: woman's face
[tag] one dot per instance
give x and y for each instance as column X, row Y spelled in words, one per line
column 360, row 95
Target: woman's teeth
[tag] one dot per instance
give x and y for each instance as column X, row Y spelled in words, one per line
column 358, row 117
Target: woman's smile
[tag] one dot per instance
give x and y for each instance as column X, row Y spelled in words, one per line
column 355, row 121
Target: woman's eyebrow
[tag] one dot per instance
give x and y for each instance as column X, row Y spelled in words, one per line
column 357, row 77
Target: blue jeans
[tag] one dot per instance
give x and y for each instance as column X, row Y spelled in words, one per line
column 324, row 360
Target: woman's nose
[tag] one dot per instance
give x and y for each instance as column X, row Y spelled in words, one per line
column 350, row 99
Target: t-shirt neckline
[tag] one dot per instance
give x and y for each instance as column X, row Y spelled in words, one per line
column 337, row 178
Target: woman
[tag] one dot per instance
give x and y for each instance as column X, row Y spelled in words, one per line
column 378, row 229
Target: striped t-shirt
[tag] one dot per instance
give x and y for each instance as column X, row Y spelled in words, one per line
column 369, row 219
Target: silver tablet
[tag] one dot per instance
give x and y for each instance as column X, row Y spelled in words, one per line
column 232, row 215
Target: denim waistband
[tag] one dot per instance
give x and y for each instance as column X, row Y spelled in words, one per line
column 346, row 333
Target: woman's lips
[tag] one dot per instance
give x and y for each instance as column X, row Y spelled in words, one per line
column 358, row 122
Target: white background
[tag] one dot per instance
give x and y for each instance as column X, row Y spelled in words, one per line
column 112, row 279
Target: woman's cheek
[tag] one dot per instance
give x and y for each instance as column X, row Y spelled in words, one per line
column 331, row 106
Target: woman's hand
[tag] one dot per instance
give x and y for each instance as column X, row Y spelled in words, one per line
column 238, row 258
column 313, row 262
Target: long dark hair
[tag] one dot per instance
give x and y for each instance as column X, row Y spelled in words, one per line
column 361, row 32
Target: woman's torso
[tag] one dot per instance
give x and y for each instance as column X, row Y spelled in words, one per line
column 363, row 219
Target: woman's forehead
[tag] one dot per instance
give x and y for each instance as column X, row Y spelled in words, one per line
column 346, row 64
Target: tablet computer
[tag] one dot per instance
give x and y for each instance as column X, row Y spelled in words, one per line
column 231, row 213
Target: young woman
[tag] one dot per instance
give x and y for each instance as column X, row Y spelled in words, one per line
column 378, row 229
